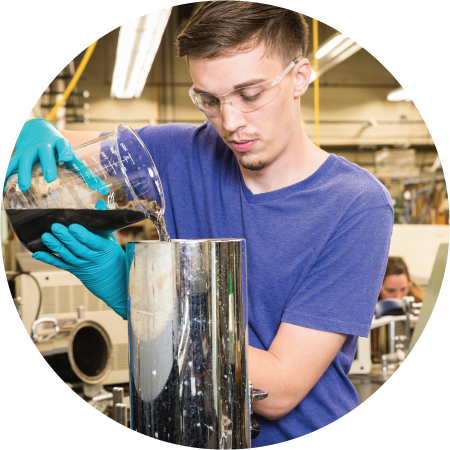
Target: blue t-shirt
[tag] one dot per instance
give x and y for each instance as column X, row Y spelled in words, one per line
column 317, row 251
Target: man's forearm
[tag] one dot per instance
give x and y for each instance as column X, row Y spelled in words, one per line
column 266, row 372
column 77, row 138
column 289, row 369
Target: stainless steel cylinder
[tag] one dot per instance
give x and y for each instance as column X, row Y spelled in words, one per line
column 188, row 341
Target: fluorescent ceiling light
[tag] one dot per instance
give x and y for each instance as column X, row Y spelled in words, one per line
column 329, row 46
column 313, row 75
column 398, row 95
column 138, row 43
column 337, row 49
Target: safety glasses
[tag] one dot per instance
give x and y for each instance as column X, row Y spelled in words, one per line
column 245, row 99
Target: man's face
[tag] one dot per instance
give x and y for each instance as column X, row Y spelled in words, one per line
column 260, row 137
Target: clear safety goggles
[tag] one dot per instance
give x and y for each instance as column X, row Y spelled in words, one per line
column 244, row 99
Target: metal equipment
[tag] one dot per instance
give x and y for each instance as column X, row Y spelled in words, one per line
column 62, row 294
column 188, row 341
column 120, row 413
column 79, row 351
column 393, row 319
column 117, row 398
column 397, row 315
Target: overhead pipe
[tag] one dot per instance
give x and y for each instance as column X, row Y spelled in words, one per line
column 75, row 106
column 84, row 94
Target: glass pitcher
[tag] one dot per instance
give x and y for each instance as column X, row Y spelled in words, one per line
column 112, row 182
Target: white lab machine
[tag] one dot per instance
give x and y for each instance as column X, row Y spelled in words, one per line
column 62, row 294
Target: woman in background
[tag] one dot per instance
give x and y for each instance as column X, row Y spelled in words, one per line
column 397, row 283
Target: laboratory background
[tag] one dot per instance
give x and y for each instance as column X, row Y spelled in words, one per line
column 354, row 108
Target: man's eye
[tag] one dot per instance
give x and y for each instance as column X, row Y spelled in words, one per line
column 251, row 96
column 251, row 99
column 210, row 101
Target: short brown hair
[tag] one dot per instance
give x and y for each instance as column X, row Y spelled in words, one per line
column 218, row 28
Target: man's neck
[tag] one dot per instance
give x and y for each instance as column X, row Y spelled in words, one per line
column 295, row 164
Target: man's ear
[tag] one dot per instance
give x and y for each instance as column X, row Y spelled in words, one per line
column 301, row 77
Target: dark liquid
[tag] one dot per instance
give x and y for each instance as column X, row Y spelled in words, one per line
column 30, row 224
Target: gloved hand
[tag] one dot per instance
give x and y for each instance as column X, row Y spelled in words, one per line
column 38, row 140
column 100, row 263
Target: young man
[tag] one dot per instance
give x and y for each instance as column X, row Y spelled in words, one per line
column 317, row 227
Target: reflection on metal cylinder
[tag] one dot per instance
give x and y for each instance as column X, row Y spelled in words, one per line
column 188, row 337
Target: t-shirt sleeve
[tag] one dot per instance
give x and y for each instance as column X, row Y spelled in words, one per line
column 340, row 292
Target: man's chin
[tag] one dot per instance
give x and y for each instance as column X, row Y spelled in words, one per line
column 249, row 163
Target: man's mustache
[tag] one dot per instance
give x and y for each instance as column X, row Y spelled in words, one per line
column 241, row 137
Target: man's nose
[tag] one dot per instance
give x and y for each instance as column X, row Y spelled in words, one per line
column 232, row 118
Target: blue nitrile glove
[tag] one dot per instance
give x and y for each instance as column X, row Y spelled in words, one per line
column 38, row 140
column 98, row 262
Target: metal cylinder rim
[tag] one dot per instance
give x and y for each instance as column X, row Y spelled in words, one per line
column 186, row 241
